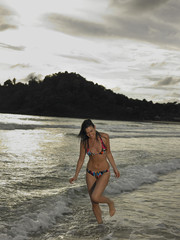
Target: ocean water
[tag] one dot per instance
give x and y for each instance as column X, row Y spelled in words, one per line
column 38, row 156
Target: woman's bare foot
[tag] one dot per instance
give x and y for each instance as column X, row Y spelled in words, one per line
column 112, row 209
column 100, row 223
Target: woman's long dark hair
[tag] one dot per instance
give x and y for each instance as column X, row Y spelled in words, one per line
column 82, row 134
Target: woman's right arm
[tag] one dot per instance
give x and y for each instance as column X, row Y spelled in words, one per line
column 79, row 163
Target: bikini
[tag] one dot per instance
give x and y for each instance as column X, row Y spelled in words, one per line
column 89, row 153
column 97, row 174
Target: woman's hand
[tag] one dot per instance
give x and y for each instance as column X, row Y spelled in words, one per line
column 71, row 180
column 117, row 173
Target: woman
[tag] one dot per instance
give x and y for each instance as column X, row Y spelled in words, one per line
column 97, row 147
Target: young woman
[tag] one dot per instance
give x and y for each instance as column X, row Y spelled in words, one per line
column 96, row 145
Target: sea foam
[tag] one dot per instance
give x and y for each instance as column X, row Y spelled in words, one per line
column 37, row 222
column 133, row 176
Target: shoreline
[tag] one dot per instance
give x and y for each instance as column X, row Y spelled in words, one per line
column 85, row 117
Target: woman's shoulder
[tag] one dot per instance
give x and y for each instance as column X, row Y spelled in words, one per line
column 104, row 135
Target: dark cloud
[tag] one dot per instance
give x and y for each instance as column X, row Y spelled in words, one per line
column 170, row 85
column 17, row 48
column 169, row 81
column 154, row 21
column 136, row 5
column 144, row 20
column 158, row 65
column 6, row 18
column 80, row 58
column 169, row 13
column 7, row 26
column 137, row 28
column 167, row 84
column 145, row 5
column 73, row 26
column 20, row 65
column 144, row 29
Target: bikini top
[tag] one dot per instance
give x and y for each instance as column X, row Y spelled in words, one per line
column 103, row 150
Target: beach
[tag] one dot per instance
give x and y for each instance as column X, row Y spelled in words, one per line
column 39, row 155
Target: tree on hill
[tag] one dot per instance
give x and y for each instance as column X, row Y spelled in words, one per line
column 71, row 95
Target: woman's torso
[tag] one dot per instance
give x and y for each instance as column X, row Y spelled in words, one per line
column 97, row 154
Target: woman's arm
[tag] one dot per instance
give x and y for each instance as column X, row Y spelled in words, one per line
column 79, row 163
column 110, row 157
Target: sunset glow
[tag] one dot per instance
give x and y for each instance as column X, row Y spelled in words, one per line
column 132, row 47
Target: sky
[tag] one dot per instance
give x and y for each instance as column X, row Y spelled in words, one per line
column 129, row 46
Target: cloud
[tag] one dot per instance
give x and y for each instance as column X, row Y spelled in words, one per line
column 142, row 20
column 155, row 21
column 73, row 26
column 81, row 58
column 158, row 65
column 20, row 65
column 17, row 48
column 145, row 5
column 136, row 6
column 6, row 26
column 168, row 84
column 6, row 18
column 169, row 81
column 172, row 97
column 175, row 95
column 144, row 29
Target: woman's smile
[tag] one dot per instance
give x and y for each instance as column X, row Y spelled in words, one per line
column 91, row 132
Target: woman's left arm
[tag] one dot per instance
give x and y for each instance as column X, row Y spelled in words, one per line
column 110, row 157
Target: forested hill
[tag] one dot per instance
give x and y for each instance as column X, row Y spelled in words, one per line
column 70, row 95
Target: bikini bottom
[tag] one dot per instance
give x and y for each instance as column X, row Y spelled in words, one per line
column 97, row 174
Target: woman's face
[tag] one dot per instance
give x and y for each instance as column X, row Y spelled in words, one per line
column 91, row 132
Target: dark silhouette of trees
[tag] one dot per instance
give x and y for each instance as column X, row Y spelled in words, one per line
column 8, row 83
column 70, row 95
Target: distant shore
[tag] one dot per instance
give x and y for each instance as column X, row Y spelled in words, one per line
column 70, row 95
column 93, row 117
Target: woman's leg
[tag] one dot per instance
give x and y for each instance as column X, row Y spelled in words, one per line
column 91, row 183
column 97, row 196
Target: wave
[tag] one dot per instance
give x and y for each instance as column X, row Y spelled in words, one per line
column 135, row 176
column 122, row 134
column 14, row 126
column 172, row 135
column 37, row 222
column 132, row 177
